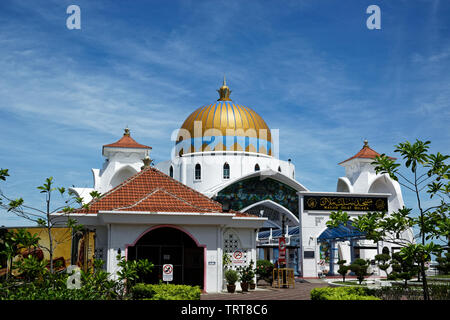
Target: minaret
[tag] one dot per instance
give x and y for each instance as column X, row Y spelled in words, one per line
column 360, row 177
column 123, row 159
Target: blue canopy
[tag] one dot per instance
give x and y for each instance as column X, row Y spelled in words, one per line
column 341, row 232
column 276, row 233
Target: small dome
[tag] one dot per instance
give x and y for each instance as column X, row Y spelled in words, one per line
column 224, row 126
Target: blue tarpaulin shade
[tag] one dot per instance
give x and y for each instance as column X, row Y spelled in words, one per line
column 276, row 233
column 341, row 232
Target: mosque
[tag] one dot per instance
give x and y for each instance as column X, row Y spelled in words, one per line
column 225, row 190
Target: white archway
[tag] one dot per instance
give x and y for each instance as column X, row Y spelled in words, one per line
column 122, row 175
column 277, row 207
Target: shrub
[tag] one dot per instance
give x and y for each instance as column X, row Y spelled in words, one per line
column 343, row 269
column 383, row 262
column 359, row 267
column 404, row 269
column 95, row 284
column 437, row 292
column 264, row 270
column 165, row 292
column 247, row 273
column 444, row 263
column 231, row 276
column 342, row 293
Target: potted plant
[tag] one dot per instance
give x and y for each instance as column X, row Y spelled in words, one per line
column 231, row 276
column 246, row 275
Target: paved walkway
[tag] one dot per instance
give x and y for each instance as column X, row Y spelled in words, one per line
column 300, row 292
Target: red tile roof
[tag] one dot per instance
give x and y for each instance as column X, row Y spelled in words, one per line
column 126, row 142
column 150, row 190
column 366, row 152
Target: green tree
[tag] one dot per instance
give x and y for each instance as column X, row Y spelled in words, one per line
column 13, row 242
column 443, row 263
column 31, row 269
column 10, row 247
column 343, row 269
column 383, row 262
column 360, row 267
column 425, row 173
column 26, row 240
column 403, row 267
column 48, row 217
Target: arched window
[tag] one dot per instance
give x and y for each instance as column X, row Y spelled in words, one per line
column 198, row 172
column 279, row 169
column 256, row 167
column 226, row 171
column 171, row 171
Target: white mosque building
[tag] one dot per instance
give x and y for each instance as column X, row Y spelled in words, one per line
column 225, row 190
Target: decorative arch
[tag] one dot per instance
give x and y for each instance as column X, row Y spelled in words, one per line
column 164, row 226
column 144, row 247
column 344, row 185
column 121, row 175
column 276, row 207
column 231, row 241
column 248, row 191
column 384, row 184
column 257, row 167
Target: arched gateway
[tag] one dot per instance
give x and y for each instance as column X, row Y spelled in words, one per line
column 170, row 245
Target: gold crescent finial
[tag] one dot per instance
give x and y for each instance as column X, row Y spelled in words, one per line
column 224, row 91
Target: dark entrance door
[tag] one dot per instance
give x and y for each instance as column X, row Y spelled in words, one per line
column 170, row 246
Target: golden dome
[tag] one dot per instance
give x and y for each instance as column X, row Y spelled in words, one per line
column 224, row 126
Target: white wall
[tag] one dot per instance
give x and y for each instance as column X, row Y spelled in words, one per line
column 212, row 167
column 121, row 235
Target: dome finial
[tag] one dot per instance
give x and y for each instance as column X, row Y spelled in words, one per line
column 366, row 143
column 224, row 91
column 126, row 131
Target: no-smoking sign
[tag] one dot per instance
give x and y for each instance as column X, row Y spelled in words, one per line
column 167, row 272
column 238, row 257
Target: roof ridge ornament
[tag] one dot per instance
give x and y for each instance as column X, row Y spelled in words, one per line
column 147, row 162
column 224, row 91
column 366, row 143
column 126, row 131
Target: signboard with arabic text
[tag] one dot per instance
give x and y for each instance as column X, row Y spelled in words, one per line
column 345, row 203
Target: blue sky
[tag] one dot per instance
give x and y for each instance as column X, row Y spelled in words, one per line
column 310, row 68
